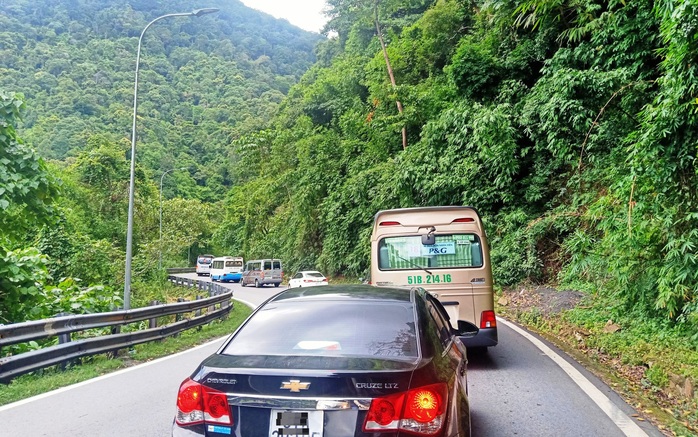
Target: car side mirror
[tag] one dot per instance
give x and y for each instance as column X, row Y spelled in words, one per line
column 466, row 329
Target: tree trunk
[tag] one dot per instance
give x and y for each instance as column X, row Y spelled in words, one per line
column 390, row 69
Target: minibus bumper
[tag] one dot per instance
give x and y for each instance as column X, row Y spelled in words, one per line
column 233, row 277
column 485, row 337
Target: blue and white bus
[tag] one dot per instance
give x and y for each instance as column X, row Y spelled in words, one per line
column 227, row 268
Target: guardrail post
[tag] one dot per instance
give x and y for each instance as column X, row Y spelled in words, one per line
column 114, row 330
column 64, row 338
column 197, row 313
column 226, row 304
column 212, row 308
column 178, row 316
column 153, row 322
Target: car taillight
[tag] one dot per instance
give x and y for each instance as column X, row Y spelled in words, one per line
column 197, row 403
column 488, row 320
column 384, row 413
column 420, row 411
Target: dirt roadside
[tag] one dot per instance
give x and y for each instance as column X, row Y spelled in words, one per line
column 541, row 310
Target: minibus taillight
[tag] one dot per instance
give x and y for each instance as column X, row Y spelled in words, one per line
column 464, row 220
column 389, row 224
column 197, row 403
column 488, row 320
column 420, row 411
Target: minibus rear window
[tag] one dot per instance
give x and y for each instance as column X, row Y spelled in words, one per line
column 449, row 251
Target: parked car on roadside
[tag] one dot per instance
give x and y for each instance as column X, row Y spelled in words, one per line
column 333, row 361
column 307, row 278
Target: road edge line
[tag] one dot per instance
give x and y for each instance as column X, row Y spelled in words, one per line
column 622, row 420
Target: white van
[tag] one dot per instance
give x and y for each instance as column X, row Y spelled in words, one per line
column 203, row 264
column 261, row 272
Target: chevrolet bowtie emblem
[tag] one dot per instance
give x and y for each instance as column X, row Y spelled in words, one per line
column 295, row 385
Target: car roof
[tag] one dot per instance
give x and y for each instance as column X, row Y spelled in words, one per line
column 309, row 271
column 345, row 292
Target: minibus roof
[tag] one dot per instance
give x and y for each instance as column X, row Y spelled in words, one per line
column 427, row 216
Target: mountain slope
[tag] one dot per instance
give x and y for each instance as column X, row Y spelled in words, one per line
column 203, row 80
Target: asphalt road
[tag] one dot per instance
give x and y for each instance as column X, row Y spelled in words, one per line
column 516, row 389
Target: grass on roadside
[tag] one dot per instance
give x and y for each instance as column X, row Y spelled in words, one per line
column 53, row 378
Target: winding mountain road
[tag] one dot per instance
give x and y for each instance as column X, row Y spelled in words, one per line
column 522, row 387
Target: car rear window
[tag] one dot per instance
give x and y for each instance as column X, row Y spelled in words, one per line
column 315, row 275
column 329, row 329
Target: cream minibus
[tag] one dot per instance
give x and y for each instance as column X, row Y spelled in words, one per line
column 444, row 250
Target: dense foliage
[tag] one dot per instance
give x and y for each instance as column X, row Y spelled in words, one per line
column 204, row 81
column 570, row 125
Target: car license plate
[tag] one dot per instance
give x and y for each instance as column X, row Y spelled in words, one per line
column 295, row 423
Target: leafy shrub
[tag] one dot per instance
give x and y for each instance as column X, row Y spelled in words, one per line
column 69, row 297
column 22, row 273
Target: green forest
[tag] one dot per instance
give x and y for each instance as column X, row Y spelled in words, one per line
column 66, row 105
column 567, row 124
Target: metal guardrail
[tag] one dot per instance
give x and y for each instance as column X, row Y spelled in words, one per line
column 181, row 270
column 16, row 365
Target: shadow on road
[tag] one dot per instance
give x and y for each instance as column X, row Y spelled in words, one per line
column 480, row 359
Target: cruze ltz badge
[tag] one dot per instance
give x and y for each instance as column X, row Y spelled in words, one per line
column 295, row 385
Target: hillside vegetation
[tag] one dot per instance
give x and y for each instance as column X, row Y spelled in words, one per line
column 570, row 125
column 66, row 104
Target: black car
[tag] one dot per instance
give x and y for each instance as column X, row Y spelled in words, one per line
column 334, row 361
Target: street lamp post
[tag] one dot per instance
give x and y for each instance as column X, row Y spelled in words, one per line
column 129, row 231
column 161, row 179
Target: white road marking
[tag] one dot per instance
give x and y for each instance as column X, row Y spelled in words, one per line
column 624, row 423
column 109, row 375
column 99, row 378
